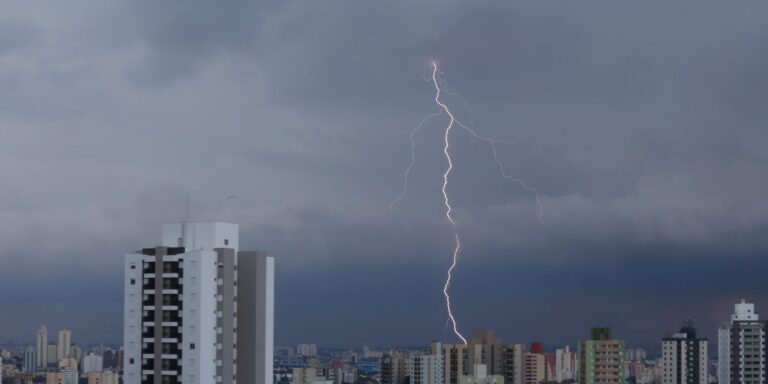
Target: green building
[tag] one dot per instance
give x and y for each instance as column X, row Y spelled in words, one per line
column 601, row 359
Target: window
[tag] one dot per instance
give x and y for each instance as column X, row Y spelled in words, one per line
column 191, row 345
column 133, row 281
column 133, row 265
column 130, row 361
column 226, row 241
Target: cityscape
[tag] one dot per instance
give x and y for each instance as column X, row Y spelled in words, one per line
column 199, row 310
column 383, row 192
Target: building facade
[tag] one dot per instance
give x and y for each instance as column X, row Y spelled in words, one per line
column 565, row 364
column 195, row 306
column 601, row 359
column 455, row 361
column 427, row 368
column 65, row 344
column 534, row 365
column 29, row 362
column 742, row 347
column 684, row 357
column 41, row 339
column 514, row 363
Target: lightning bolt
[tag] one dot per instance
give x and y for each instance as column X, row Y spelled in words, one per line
column 436, row 81
column 413, row 160
column 447, row 202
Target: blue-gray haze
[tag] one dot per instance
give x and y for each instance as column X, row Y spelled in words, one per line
column 643, row 123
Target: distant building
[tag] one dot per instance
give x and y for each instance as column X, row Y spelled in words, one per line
column 456, row 359
column 206, row 307
column 480, row 376
column 601, row 359
column 92, row 363
column 304, row 375
column 487, row 350
column 41, row 339
column 640, row 354
column 76, row 352
column 53, row 355
column 534, row 365
column 684, row 357
column 29, row 363
column 1, row 369
column 65, row 343
column 565, row 364
column 103, row 377
column 427, row 368
column 742, row 347
column 514, row 364
column 308, row 350
column 68, row 363
column 62, row 377
column 393, row 368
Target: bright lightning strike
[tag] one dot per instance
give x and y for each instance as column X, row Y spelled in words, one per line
column 447, row 201
column 436, row 81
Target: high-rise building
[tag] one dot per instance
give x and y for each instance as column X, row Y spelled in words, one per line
column 565, row 364
column 42, row 348
column 514, row 364
column 684, row 357
column 197, row 310
column 601, row 359
column 486, row 349
column 53, row 355
column 103, row 377
column 534, row 365
column 29, row 364
column 455, row 360
column 480, row 376
column 742, row 347
column 62, row 377
column 393, row 367
column 65, row 343
column 92, row 363
column 308, row 350
column 427, row 368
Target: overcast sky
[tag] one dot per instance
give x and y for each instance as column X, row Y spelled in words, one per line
column 643, row 124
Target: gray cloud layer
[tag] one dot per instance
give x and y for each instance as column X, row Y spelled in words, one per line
column 643, row 126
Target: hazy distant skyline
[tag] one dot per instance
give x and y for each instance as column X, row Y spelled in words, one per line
column 644, row 127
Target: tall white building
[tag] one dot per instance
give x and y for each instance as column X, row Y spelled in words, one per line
column 684, row 357
column 92, row 363
column 426, row 368
column 309, row 350
column 565, row 364
column 65, row 343
column 197, row 310
column 29, row 364
column 41, row 340
column 742, row 347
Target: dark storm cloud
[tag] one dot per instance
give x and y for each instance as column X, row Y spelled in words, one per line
column 643, row 127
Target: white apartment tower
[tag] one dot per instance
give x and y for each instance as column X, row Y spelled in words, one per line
column 197, row 310
column 42, row 347
column 565, row 364
column 427, row 368
column 30, row 363
column 65, row 344
column 742, row 347
column 684, row 357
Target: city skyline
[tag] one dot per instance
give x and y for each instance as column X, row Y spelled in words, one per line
column 643, row 126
